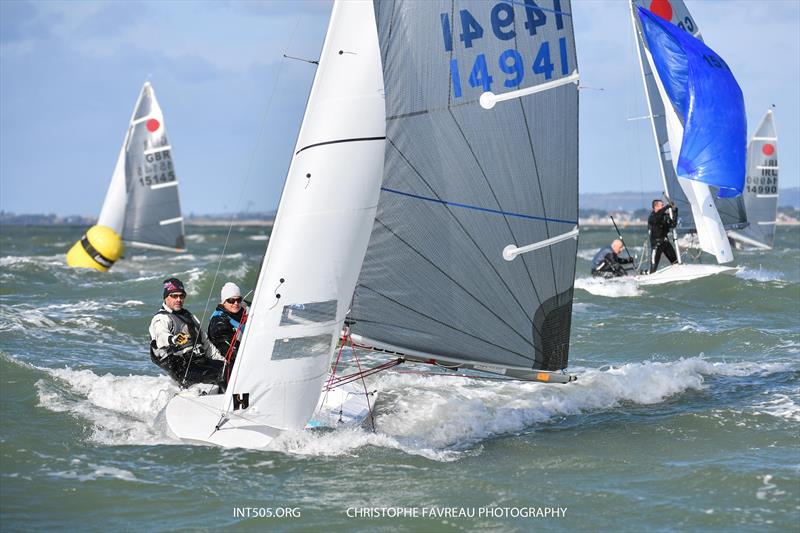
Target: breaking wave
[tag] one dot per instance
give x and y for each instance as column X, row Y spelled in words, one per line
column 441, row 418
column 759, row 274
column 611, row 288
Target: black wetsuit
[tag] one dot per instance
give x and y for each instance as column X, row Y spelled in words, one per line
column 660, row 223
column 222, row 329
column 607, row 264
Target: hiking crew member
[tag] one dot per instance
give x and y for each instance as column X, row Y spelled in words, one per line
column 178, row 344
column 607, row 263
column 225, row 327
column 662, row 219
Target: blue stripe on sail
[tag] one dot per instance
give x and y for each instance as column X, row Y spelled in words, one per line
column 476, row 208
column 708, row 101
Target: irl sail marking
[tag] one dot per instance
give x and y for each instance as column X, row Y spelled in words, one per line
column 476, row 208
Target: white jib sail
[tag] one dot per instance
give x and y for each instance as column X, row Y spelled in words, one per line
column 112, row 214
column 320, row 235
column 710, row 230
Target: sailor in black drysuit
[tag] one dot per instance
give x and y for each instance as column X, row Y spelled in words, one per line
column 661, row 220
column 226, row 324
column 178, row 344
column 607, row 263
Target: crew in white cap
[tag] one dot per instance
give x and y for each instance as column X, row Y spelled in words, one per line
column 226, row 325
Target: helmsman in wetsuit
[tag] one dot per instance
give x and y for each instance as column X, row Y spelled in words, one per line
column 178, row 344
column 226, row 324
column 607, row 263
column 661, row 220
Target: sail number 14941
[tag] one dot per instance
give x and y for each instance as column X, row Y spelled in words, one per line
column 511, row 61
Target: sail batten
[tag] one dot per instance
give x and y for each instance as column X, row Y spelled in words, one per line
column 461, row 182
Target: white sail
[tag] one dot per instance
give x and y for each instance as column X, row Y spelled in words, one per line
column 112, row 214
column 315, row 252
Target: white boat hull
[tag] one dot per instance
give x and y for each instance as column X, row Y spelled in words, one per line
column 683, row 272
column 192, row 418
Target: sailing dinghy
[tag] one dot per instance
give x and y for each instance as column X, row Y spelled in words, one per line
column 761, row 188
column 141, row 206
column 464, row 257
column 696, row 109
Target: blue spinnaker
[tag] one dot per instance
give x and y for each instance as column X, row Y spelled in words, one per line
column 707, row 99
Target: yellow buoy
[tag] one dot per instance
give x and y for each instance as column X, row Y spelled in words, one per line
column 98, row 249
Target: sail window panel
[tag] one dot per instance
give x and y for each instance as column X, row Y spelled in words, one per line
column 301, row 347
column 308, row 313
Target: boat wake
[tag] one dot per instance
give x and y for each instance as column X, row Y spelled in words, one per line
column 611, row 288
column 442, row 418
column 759, row 274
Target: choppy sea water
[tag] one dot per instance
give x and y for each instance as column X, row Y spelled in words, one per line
column 685, row 415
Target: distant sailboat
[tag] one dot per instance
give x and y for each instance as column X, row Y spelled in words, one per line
column 761, row 187
column 141, row 206
column 471, row 257
column 701, row 146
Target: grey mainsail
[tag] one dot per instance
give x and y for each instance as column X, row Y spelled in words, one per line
column 152, row 212
column 463, row 181
column 731, row 210
column 761, row 186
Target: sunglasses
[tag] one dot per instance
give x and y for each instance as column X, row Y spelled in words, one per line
column 233, row 300
column 177, row 295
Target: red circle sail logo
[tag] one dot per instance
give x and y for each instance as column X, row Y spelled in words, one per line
column 153, row 125
column 768, row 149
column 662, row 8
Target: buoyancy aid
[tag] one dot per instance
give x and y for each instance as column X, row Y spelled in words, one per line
column 222, row 313
column 182, row 322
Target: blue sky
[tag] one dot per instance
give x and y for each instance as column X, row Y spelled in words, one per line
column 70, row 73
